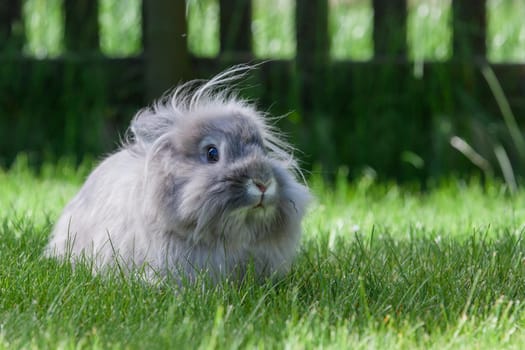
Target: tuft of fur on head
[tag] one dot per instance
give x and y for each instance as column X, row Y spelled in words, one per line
column 189, row 99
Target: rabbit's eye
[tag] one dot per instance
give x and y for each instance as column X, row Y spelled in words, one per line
column 212, row 154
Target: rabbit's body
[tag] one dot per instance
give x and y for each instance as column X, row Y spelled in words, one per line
column 204, row 184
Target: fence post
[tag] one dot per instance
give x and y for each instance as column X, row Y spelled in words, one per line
column 11, row 25
column 469, row 28
column 311, row 25
column 167, row 61
column 81, row 26
column 236, row 27
column 390, row 29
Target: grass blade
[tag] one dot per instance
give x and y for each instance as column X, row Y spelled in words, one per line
column 506, row 111
column 506, row 168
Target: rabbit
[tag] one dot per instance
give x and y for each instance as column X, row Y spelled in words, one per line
column 201, row 184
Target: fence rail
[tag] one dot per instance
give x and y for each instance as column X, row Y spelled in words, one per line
column 166, row 59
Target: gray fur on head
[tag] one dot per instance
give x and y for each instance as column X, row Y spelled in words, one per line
column 202, row 183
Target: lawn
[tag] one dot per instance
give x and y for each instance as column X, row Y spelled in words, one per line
column 380, row 266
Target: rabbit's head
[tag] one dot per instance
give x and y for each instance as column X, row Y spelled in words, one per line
column 215, row 171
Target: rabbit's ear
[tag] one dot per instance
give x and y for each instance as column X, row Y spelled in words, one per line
column 150, row 124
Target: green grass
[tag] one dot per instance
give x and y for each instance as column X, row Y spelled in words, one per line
column 506, row 32
column 350, row 28
column 429, row 32
column 350, row 25
column 381, row 266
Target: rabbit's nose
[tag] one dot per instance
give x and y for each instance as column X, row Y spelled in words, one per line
column 259, row 187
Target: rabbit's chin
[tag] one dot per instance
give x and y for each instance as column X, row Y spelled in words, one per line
column 249, row 223
column 258, row 212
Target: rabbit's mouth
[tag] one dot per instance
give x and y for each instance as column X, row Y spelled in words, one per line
column 259, row 205
column 262, row 192
column 262, row 201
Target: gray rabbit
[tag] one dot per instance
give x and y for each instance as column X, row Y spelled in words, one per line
column 202, row 184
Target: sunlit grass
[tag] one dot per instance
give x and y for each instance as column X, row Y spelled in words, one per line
column 203, row 27
column 506, row 30
column 44, row 27
column 273, row 28
column 429, row 31
column 120, row 27
column 380, row 266
column 350, row 28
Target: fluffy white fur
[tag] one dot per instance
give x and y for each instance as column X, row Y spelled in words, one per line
column 160, row 203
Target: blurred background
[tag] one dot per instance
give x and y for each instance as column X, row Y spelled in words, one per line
column 410, row 90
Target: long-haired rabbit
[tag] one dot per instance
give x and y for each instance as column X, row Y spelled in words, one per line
column 202, row 184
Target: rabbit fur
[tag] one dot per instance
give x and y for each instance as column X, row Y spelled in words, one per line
column 201, row 183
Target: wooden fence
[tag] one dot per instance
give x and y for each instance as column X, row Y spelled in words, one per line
column 166, row 60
